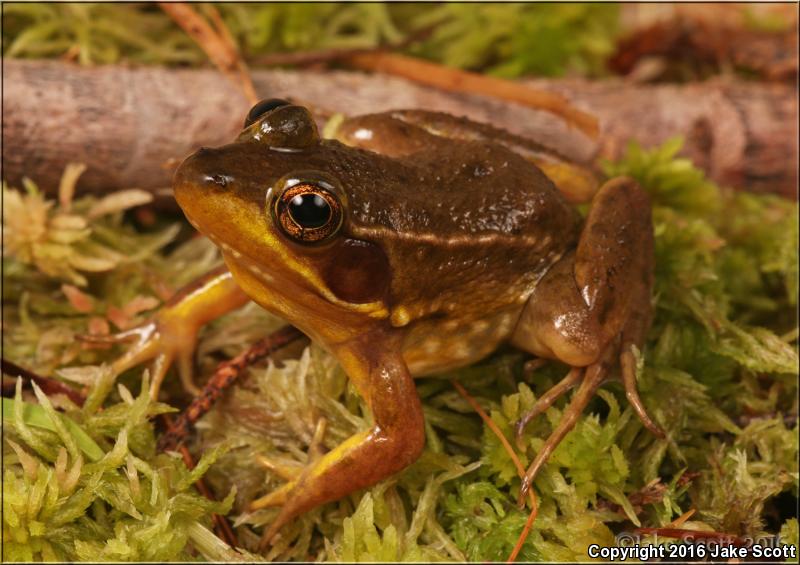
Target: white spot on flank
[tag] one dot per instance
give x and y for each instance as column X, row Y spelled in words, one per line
column 400, row 317
column 363, row 134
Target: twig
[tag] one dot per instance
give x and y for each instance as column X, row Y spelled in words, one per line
column 456, row 80
column 303, row 58
column 520, row 469
column 225, row 375
column 48, row 385
column 216, row 43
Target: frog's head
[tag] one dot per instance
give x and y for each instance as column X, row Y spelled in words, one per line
column 276, row 205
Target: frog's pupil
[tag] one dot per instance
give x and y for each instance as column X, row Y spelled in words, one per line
column 310, row 210
column 262, row 108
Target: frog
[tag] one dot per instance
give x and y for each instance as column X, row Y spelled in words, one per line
column 406, row 244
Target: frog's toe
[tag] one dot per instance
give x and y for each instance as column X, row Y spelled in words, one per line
column 627, row 363
column 141, row 352
column 160, row 342
column 160, row 366
column 144, row 349
column 139, row 333
column 286, row 514
column 284, row 471
column 548, row 398
column 186, row 371
column 594, row 376
column 275, row 498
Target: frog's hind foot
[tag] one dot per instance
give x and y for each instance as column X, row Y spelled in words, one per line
column 592, row 307
column 548, row 398
column 592, row 378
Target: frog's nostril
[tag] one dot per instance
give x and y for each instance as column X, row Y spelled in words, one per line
column 218, row 179
column 202, row 170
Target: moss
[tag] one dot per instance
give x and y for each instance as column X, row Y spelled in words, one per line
column 718, row 372
column 68, row 499
column 529, row 39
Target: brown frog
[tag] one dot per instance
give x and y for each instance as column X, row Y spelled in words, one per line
column 413, row 243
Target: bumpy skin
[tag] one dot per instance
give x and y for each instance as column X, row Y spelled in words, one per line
column 404, row 132
column 452, row 242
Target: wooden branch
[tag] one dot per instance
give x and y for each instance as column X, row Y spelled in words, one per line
column 456, row 80
column 132, row 126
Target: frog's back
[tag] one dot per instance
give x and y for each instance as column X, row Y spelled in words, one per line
column 468, row 227
column 463, row 190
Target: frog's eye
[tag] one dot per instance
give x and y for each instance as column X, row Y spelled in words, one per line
column 308, row 212
column 262, row 108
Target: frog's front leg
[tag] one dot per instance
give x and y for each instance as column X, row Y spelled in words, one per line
column 375, row 366
column 171, row 334
column 593, row 307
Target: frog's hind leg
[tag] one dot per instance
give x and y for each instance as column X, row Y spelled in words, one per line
column 593, row 307
column 593, row 378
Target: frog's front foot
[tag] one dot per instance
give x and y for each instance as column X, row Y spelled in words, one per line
column 290, row 473
column 164, row 340
column 592, row 308
column 170, row 336
column 395, row 440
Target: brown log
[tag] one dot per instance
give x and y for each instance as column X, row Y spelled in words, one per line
column 132, row 125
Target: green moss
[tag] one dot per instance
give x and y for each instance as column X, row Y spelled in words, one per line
column 523, row 39
column 509, row 40
column 124, row 504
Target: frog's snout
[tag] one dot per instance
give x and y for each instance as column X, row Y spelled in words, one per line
column 198, row 182
column 198, row 175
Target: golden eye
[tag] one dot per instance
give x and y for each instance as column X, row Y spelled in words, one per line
column 308, row 212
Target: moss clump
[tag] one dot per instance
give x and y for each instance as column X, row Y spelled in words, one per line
column 87, row 485
column 529, row 39
column 718, row 372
